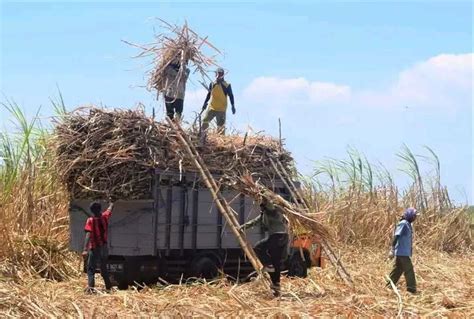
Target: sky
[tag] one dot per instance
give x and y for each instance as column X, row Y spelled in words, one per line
column 369, row 75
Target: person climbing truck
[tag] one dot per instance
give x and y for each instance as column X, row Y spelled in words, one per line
column 217, row 94
column 176, row 79
column 95, row 245
column 401, row 249
column 272, row 250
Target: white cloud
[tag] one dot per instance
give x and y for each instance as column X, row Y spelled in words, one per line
column 324, row 91
column 320, row 118
column 296, row 90
column 443, row 81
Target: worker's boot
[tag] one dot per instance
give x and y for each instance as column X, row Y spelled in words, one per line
column 269, row 268
column 90, row 291
column 108, row 287
column 177, row 118
column 276, row 290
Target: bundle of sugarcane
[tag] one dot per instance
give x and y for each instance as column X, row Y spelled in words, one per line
column 179, row 46
column 100, row 153
column 237, row 154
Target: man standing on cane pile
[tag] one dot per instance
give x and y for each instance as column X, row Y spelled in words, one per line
column 176, row 79
column 272, row 250
column 95, row 245
column 402, row 246
column 217, row 93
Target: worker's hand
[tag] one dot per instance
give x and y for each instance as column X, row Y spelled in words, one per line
column 390, row 254
column 84, row 253
column 233, row 109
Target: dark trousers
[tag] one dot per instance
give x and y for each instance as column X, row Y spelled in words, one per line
column 220, row 119
column 403, row 265
column 273, row 251
column 173, row 106
column 98, row 257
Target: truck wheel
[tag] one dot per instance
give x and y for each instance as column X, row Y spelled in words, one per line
column 204, row 267
column 297, row 266
column 122, row 285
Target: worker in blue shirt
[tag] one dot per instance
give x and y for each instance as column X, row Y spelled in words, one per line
column 402, row 250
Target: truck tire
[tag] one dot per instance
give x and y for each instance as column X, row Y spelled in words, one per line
column 297, row 266
column 204, row 266
column 122, row 285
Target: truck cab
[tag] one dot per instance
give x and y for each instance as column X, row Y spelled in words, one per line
column 177, row 232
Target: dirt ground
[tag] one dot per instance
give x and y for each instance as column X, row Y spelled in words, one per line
column 445, row 283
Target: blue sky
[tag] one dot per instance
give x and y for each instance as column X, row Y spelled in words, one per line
column 373, row 75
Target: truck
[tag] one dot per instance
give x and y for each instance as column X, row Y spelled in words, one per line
column 178, row 233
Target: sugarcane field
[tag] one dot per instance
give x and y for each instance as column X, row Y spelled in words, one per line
column 257, row 160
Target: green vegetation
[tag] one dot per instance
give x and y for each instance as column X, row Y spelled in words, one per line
column 33, row 203
column 363, row 203
column 360, row 200
column 470, row 212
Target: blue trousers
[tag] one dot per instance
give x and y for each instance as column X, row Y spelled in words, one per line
column 98, row 257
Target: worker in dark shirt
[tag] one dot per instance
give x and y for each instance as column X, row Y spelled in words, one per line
column 402, row 246
column 176, row 78
column 272, row 250
column 95, row 245
column 217, row 95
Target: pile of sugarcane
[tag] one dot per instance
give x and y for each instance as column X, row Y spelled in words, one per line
column 103, row 153
column 178, row 45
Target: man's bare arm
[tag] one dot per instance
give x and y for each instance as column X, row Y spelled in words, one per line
column 86, row 242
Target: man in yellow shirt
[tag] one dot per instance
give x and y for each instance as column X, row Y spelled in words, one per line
column 217, row 95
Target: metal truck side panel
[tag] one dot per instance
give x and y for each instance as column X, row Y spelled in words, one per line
column 130, row 227
column 185, row 219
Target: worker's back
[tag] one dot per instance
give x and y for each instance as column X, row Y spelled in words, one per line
column 274, row 221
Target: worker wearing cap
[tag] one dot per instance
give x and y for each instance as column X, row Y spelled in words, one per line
column 216, row 102
column 272, row 250
column 402, row 246
column 176, row 78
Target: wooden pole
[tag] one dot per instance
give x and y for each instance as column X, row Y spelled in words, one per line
column 293, row 191
column 341, row 271
column 221, row 202
column 279, row 131
column 210, row 178
column 199, row 163
column 290, row 181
